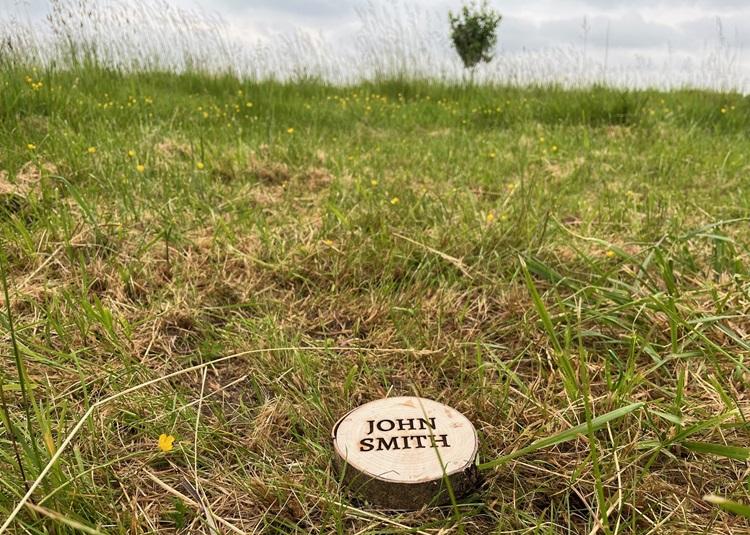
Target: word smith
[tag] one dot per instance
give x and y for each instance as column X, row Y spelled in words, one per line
column 403, row 442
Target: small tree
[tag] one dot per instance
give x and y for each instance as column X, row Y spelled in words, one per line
column 474, row 33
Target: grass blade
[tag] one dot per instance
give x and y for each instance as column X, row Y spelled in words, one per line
column 728, row 505
column 731, row 452
column 541, row 309
column 562, row 357
column 564, row 436
column 64, row 520
column 26, row 396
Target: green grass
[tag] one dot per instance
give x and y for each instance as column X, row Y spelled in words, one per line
column 238, row 264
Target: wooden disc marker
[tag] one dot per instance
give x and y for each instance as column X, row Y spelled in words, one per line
column 402, row 452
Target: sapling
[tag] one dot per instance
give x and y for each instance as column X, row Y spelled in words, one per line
column 474, row 33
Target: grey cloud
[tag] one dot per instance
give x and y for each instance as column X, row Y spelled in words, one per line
column 33, row 8
column 701, row 4
column 630, row 31
column 314, row 9
column 633, row 31
column 735, row 29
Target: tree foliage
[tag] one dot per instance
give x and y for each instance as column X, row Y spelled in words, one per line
column 474, row 33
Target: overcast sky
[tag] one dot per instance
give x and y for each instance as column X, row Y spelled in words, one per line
column 619, row 29
column 682, row 24
column 527, row 23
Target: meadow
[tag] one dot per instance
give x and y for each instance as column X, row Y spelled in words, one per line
column 235, row 264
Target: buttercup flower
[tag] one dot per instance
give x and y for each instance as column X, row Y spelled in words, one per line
column 166, row 442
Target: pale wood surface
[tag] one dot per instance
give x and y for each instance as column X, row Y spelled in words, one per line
column 390, row 441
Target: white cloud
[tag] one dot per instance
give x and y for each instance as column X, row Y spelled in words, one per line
column 632, row 24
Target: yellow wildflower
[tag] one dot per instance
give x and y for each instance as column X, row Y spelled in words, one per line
column 395, row 200
column 373, row 182
column 140, row 168
column 290, row 130
column 31, row 146
column 610, row 253
column 166, row 442
column 554, row 148
column 131, row 154
column 199, row 166
column 91, row 150
column 490, row 217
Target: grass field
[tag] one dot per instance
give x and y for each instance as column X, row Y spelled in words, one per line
column 237, row 264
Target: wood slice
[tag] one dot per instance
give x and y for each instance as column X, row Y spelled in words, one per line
column 398, row 452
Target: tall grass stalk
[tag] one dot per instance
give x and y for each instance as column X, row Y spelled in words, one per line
column 26, row 397
column 8, row 423
column 394, row 40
